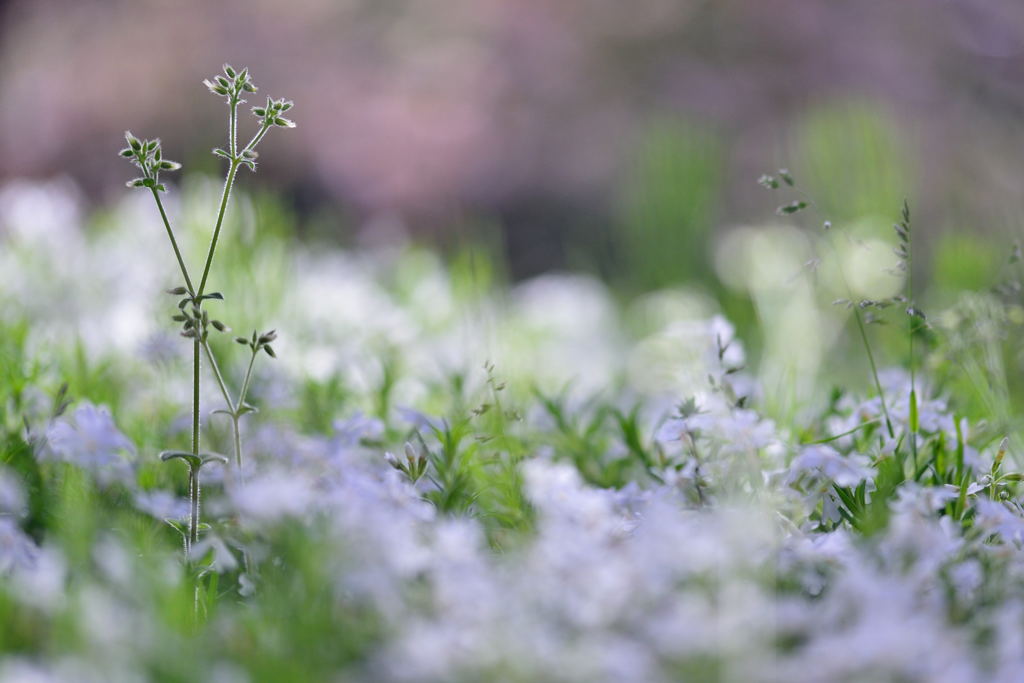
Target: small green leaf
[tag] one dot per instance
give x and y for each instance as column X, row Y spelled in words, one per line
column 191, row 458
column 913, row 412
column 214, row 457
column 180, row 527
column 792, row 207
column 247, row 408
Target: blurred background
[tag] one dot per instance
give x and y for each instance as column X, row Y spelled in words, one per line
column 619, row 138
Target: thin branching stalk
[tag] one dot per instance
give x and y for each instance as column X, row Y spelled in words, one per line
column 225, row 195
column 174, row 243
column 147, row 155
column 784, row 177
column 862, row 332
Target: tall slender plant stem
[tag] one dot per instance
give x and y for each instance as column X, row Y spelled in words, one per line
column 228, row 182
column 234, row 406
column 193, row 496
column 911, row 314
column 217, row 375
column 195, row 397
column 236, row 412
column 864, row 340
column 174, row 244
column 874, row 371
column 233, row 127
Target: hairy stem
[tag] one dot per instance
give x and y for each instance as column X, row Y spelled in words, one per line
column 174, row 243
column 256, row 138
column 863, row 338
column 218, row 376
column 195, row 397
column 910, row 336
column 233, row 128
column 228, row 182
column 238, row 440
column 248, row 378
column 193, row 498
column 874, row 370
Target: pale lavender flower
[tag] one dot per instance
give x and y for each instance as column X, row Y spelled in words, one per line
column 997, row 518
column 12, row 494
column 820, row 460
column 350, row 431
column 221, row 557
column 17, row 550
column 273, row 495
column 161, row 504
column 91, row 440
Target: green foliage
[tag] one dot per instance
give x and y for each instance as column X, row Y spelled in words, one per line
column 667, row 204
column 849, row 157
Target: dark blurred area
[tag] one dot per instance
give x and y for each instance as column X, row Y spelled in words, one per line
column 621, row 134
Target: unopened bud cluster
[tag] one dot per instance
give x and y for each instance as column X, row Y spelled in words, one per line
column 414, row 466
column 270, row 113
column 147, row 155
column 232, row 84
column 260, row 342
column 195, row 321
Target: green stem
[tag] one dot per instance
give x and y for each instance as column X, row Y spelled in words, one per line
column 232, row 406
column 245, row 383
column 233, row 127
column 910, row 336
column 228, row 182
column 256, row 138
column 874, row 371
column 195, row 397
column 174, row 243
column 193, row 497
column 863, row 337
column 238, row 441
column 219, row 377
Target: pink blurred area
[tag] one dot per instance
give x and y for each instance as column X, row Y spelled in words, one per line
column 420, row 106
